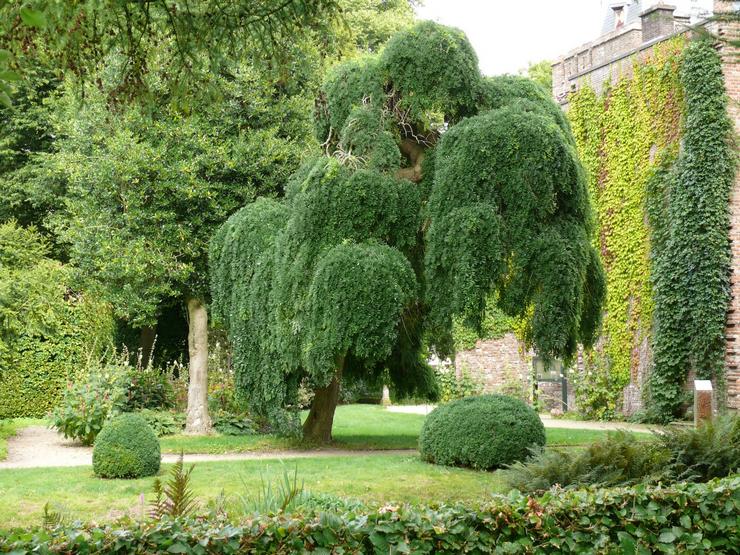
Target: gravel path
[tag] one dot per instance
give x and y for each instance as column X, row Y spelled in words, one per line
column 547, row 420
column 38, row 447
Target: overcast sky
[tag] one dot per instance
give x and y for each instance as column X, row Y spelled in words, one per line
column 508, row 34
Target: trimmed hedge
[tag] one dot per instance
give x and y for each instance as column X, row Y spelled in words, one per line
column 126, row 447
column 36, row 371
column 485, row 432
column 684, row 518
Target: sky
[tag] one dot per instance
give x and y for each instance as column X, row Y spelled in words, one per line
column 509, row 34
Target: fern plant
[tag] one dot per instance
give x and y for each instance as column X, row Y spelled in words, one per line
column 711, row 450
column 52, row 518
column 174, row 498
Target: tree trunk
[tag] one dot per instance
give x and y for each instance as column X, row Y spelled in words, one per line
column 317, row 427
column 147, row 335
column 198, row 420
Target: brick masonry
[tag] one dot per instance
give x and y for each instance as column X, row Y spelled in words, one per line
column 731, row 69
column 607, row 59
column 504, row 364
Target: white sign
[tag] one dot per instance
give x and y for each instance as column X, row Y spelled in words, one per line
column 702, row 385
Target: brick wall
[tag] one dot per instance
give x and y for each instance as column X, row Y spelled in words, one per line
column 500, row 363
column 731, row 68
column 493, row 361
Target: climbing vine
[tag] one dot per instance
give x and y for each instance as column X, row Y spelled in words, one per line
column 622, row 138
column 691, row 249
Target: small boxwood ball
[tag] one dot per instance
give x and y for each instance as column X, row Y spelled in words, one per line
column 126, row 447
column 485, row 432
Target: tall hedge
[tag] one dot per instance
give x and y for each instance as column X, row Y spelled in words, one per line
column 47, row 331
column 35, row 373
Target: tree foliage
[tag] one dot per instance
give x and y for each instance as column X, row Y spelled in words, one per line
column 413, row 217
column 47, row 330
column 197, row 39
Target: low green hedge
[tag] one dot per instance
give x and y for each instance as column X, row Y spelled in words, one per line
column 683, row 518
column 484, row 432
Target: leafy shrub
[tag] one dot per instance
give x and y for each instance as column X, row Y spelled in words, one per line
column 452, row 387
column 126, row 448
column 149, row 388
column 683, row 518
column 87, row 405
column 483, row 432
column 163, row 423
column 619, row 459
column 233, row 424
column 712, row 450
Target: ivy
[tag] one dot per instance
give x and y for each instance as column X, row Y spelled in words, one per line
column 691, row 248
column 622, row 138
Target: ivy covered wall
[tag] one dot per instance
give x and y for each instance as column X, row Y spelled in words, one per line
column 629, row 139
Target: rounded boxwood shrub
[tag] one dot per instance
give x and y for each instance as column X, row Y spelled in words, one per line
column 126, row 447
column 485, row 432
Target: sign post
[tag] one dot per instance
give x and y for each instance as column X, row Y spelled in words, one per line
column 703, row 401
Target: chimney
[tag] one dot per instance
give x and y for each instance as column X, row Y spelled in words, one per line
column 657, row 21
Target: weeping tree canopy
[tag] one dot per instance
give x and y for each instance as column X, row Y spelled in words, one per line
column 438, row 191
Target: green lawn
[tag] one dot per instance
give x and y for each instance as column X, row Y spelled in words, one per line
column 8, row 428
column 355, row 427
column 79, row 495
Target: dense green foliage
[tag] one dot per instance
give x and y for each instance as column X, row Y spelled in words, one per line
column 194, row 42
column 48, row 332
column 528, row 237
column 486, row 432
column 90, row 402
column 684, row 518
column 676, row 454
column 690, row 245
column 667, row 258
column 347, row 275
column 623, row 138
column 711, row 450
column 126, row 448
column 163, row 423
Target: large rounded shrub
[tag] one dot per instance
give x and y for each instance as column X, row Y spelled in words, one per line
column 126, row 447
column 483, row 432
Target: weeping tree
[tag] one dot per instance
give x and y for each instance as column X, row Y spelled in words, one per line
column 439, row 191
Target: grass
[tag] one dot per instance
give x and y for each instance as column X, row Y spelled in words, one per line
column 78, row 494
column 355, row 427
column 8, row 428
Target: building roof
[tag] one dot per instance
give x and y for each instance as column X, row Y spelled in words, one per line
column 695, row 9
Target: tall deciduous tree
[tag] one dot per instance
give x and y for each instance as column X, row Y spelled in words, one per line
column 440, row 190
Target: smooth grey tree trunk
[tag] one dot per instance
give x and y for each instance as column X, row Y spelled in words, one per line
column 198, row 421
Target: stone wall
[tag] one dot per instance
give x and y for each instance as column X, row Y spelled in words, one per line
column 612, row 55
column 504, row 365
column 731, row 68
column 494, row 361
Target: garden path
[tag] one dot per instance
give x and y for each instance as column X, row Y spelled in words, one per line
column 37, row 447
column 547, row 420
